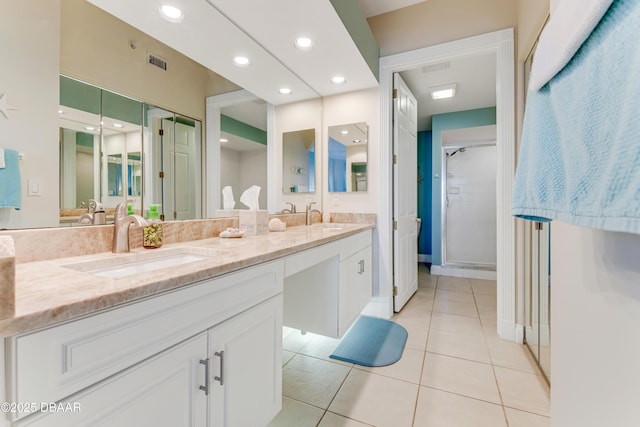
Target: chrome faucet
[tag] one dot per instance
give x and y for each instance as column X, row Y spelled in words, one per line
column 310, row 212
column 291, row 210
column 121, row 227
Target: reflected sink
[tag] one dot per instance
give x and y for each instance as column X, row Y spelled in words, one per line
column 140, row 263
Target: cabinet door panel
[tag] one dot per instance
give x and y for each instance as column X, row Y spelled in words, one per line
column 355, row 287
column 250, row 367
column 161, row 391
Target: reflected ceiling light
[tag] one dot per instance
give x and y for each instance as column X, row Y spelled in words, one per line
column 60, row 111
column 117, row 125
column 344, row 132
column 241, row 61
column 171, row 13
column 444, row 91
column 338, row 80
column 357, row 141
column 304, row 43
column 285, row 91
column 224, row 140
column 89, row 128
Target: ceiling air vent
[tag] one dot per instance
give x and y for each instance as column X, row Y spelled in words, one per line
column 154, row 59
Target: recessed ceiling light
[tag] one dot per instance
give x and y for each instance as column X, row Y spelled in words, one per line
column 444, row 91
column 285, row 91
column 241, row 61
column 357, row 141
column 304, row 43
column 89, row 128
column 171, row 13
column 60, row 111
column 338, row 80
column 344, row 132
column 117, row 125
column 224, row 140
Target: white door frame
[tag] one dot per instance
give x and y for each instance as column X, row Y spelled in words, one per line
column 501, row 43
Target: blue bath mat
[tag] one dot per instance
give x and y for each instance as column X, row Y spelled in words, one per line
column 372, row 342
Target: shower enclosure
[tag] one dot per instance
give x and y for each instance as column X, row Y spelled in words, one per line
column 469, row 206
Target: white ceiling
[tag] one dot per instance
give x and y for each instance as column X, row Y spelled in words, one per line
column 475, row 77
column 215, row 31
column 377, row 7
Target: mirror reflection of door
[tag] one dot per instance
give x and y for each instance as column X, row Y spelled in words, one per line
column 347, row 158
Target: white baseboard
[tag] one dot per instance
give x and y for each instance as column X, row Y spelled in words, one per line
column 424, row 258
column 468, row 273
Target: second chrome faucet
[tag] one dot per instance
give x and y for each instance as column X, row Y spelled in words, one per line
column 310, row 212
column 121, row 227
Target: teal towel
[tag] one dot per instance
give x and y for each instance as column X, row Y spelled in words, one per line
column 10, row 186
column 579, row 160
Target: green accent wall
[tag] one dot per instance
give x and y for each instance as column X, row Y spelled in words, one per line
column 243, row 130
column 80, row 96
column 441, row 122
column 84, row 139
column 356, row 24
column 121, row 108
column 425, row 166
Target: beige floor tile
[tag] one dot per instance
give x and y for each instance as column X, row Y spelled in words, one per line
column 487, row 313
column 490, row 328
column 287, row 356
column 484, row 286
column 525, row 419
column 454, row 307
column 322, row 347
column 312, row 380
column 408, row 368
column 457, row 324
column 523, row 390
column 441, row 409
column 458, row 345
column 466, row 297
column 486, row 300
column 296, row 414
column 335, row 420
column 509, row 354
column 295, row 340
column 471, row 379
column 415, row 313
column 417, row 330
column 459, row 284
column 376, row 399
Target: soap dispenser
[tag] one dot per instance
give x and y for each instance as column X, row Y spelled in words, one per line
column 152, row 233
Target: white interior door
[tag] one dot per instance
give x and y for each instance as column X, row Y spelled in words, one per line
column 185, row 167
column 405, row 153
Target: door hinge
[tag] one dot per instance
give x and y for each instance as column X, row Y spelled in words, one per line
column 395, row 159
column 161, row 174
column 539, row 225
column 161, row 132
column 395, row 225
column 395, row 93
column 395, row 291
column 161, row 217
column 175, row 215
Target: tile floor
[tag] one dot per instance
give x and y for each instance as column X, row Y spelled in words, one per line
column 454, row 372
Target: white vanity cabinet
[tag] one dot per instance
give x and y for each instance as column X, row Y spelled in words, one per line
column 327, row 287
column 153, row 363
column 246, row 369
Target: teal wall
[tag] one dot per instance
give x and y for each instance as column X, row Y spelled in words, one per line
column 425, row 164
column 458, row 120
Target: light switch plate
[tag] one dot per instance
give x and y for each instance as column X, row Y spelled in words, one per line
column 34, row 188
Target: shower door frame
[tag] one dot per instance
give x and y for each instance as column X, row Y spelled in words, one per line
column 443, row 206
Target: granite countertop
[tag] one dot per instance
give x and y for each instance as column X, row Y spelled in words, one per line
column 49, row 292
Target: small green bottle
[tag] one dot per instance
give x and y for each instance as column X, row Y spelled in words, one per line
column 152, row 233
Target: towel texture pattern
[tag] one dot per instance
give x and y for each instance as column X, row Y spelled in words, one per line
column 10, row 185
column 579, row 160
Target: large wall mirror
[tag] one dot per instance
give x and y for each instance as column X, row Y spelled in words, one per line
column 114, row 148
column 299, row 161
column 347, row 158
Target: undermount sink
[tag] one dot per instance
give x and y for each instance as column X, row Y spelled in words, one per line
column 138, row 263
column 330, row 226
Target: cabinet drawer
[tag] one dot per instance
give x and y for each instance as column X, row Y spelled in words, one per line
column 353, row 244
column 56, row 362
